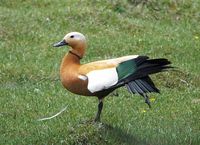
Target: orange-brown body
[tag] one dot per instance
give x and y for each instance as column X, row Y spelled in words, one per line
column 71, row 68
column 69, row 76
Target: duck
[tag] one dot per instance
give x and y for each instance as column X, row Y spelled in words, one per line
column 100, row 78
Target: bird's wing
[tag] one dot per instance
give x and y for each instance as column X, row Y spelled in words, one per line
column 102, row 74
column 108, row 75
column 104, row 64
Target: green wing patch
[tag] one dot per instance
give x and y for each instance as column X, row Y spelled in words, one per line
column 126, row 68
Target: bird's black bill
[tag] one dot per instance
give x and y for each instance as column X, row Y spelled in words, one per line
column 61, row 43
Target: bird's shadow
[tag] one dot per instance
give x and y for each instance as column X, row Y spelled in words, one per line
column 121, row 136
column 116, row 134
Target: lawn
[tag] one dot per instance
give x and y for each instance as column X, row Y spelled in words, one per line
column 29, row 76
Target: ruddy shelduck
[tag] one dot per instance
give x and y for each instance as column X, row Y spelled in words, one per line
column 100, row 78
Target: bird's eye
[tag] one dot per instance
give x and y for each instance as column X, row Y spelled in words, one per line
column 72, row 36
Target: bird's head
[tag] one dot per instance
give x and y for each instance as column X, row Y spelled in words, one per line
column 76, row 40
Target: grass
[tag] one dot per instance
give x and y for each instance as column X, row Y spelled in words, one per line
column 29, row 74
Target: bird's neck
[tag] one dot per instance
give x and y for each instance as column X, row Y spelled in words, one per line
column 69, row 60
column 72, row 59
column 78, row 53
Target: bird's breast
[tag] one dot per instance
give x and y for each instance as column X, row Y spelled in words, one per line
column 74, row 84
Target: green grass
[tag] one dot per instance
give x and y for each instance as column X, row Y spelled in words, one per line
column 29, row 76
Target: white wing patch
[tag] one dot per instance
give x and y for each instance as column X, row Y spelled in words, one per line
column 101, row 79
column 82, row 77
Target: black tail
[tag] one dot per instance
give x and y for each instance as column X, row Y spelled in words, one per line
column 139, row 82
column 147, row 67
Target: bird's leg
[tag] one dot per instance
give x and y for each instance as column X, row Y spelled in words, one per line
column 100, row 106
column 146, row 98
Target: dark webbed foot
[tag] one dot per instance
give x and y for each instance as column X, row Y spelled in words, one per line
column 146, row 98
column 100, row 106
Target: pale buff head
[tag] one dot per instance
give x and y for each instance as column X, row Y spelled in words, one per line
column 76, row 40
